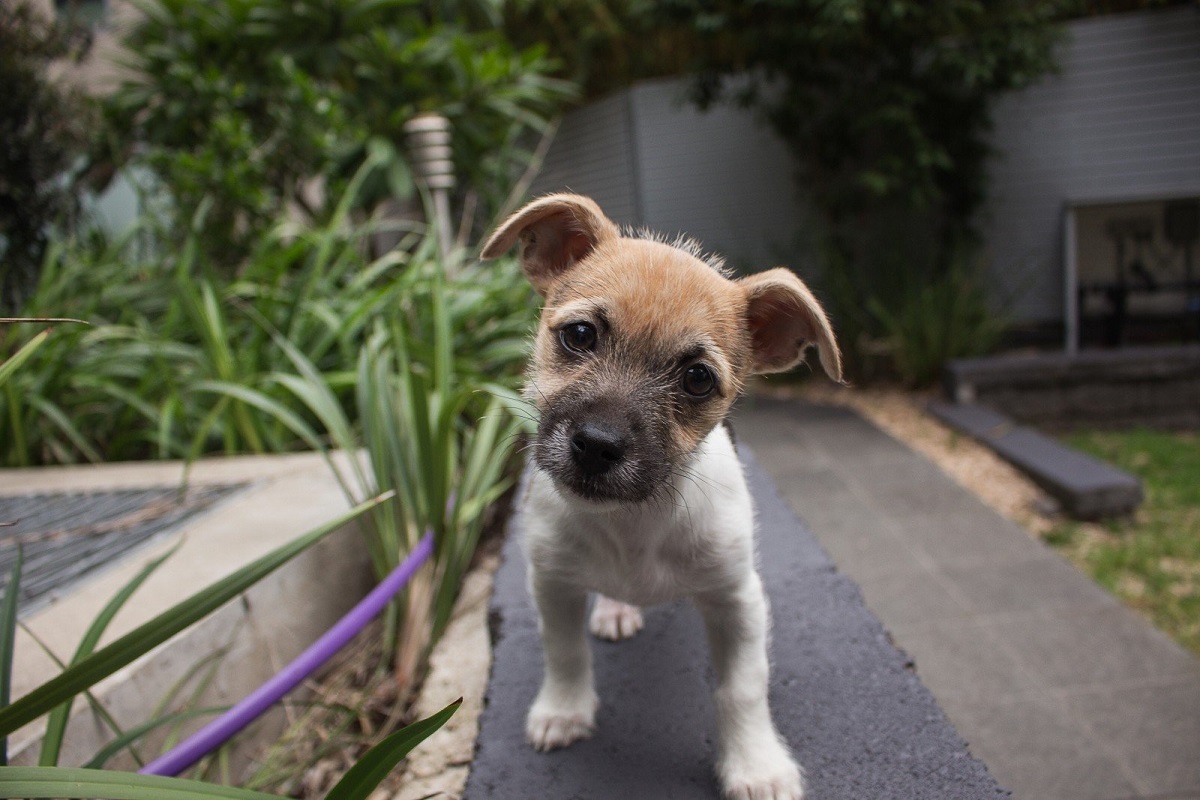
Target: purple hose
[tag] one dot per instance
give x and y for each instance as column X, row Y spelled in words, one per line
column 213, row 735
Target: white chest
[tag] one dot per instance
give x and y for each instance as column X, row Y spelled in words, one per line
column 695, row 537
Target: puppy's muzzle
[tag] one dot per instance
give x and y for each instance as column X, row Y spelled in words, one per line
column 597, row 447
column 602, row 448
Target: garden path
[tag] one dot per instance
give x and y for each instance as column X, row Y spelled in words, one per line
column 1058, row 688
column 844, row 697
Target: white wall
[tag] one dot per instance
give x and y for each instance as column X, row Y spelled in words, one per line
column 650, row 158
column 1120, row 122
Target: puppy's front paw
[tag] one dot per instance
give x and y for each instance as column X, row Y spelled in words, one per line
column 769, row 774
column 613, row 620
column 553, row 725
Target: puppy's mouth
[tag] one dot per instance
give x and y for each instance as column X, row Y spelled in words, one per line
column 598, row 460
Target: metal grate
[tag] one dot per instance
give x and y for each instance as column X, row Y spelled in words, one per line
column 67, row 535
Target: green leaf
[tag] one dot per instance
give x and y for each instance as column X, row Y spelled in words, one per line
column 8, row 637
column 21, row 356
column 37, row 783
column 262, row 402
column 109, row 659
column 127, row 738
column 59, row 417
column 376, row 763
column 56, row 725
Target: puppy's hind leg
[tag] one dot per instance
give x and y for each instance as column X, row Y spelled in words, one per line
column 614, row 620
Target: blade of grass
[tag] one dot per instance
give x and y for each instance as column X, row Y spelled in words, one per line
column 18, row 358
column 8, row 637
column 376, row 763
column 255, row 398
column 131, row 736
column 56, row 724
column 98, row 708
column 109, row 659
column 69, row 429
column 46, row 783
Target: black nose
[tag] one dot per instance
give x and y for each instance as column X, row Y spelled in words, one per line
column 597, row 448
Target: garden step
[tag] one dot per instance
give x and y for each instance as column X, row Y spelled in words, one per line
column 1156, row 386
column 847, row 701
column 1086, row 488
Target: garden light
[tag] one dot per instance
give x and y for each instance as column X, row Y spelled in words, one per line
column 429, row 144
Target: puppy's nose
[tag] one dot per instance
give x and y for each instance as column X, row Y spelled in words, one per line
column 597, row 448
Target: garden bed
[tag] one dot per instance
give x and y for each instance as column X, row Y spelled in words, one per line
column 221, row 659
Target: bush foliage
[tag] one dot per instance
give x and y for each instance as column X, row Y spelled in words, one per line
column 885, row 108
column 244, row 109
column 43, row 127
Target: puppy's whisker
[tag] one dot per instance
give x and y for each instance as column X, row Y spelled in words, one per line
column 518, row 436
column 538, row 389
column 707, row 480
column 683, row 502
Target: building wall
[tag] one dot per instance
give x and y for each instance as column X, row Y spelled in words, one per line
column 1119, row 123
column 719, row 176
column 651, row 159
column 100, row 71
column 593, row 154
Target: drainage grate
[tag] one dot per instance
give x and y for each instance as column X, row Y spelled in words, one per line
column 66, row 535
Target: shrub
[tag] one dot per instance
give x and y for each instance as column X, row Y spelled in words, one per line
column 175, row 344
column 42, row 135
column 245, row 109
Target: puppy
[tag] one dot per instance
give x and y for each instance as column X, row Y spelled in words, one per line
column 638, row 494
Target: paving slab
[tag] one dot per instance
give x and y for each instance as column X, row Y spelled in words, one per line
column 63, row 537
column 1065, row 693
column 1115, row 388
column 858, row 718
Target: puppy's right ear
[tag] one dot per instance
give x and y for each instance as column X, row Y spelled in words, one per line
column 556, row 232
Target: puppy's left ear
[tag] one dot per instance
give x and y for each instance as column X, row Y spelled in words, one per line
column 784, row 318
column 556, row 232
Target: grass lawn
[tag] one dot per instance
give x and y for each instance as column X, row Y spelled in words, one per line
column 1151, row 561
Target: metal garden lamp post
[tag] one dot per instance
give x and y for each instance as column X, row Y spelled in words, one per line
column 429, row 143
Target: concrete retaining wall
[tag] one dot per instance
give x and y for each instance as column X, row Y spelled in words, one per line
column 1157, row 386
column 245, row 642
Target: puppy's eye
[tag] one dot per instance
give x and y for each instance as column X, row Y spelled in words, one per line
column 698, row 381
column 578, row 337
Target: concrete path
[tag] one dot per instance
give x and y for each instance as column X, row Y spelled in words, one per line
column 1061, row 690
column 845, row 698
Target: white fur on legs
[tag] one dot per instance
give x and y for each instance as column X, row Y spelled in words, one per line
column 614, row 620
column 552, row 724
column 754, row 763
column 565, row 708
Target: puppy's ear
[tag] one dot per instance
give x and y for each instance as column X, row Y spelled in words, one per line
column 784, row 318
column 556, row 232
